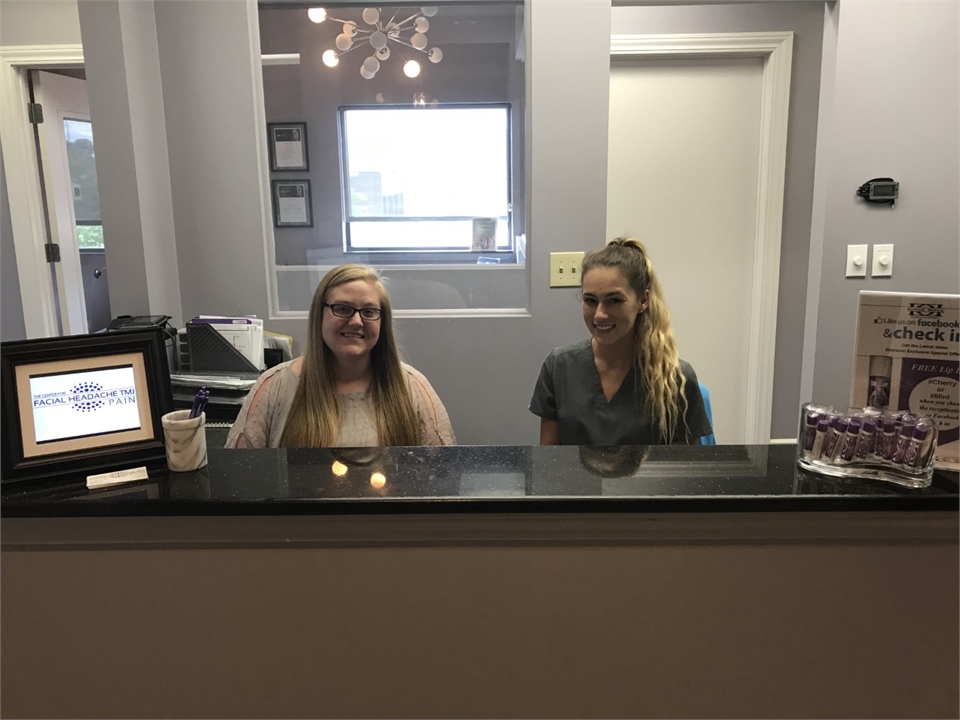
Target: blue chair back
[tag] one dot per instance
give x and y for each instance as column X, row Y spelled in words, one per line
column 711, row 438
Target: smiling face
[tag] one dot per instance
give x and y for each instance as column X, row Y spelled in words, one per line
column 610, row 306
column 351, row 339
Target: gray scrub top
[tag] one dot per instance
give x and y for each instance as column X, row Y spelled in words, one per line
column 569, row 392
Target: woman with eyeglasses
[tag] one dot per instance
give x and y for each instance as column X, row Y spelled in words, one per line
column 626, row 385
column 349, row 388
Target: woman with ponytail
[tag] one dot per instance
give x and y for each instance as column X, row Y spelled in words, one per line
column 349, row 389
column 626, row 385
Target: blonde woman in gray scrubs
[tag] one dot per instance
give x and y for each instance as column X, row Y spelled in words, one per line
column 626, row 385
column 349, row 389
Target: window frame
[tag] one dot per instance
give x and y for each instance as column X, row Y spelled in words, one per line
column 346, row 219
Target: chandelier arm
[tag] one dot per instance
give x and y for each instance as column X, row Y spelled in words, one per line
column 330, row 17
column 401, row 41
column 412, row 17
column 396, row 12
column 353, row 47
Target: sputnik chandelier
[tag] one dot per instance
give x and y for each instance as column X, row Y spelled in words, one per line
column 379, row 36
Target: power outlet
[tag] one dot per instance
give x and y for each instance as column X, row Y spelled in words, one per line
column 565, row 269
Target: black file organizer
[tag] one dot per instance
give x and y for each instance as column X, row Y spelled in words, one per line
column 211, row 352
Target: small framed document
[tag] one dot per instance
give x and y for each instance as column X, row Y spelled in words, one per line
column 484, row 234
column 288, row 146
column 292, row 205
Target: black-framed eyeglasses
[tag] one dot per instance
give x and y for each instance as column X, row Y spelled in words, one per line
column 348, row 311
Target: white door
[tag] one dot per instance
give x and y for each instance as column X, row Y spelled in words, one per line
column 683, row 152
column 73, row 202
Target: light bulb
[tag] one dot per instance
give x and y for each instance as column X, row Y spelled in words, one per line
column 411, row 68
column 421, row 24
column 330, row 58
column 344, row 42
column 338, row 468
column 371, row 15
column 383, row 53
column 317, row 15
column 378, row 40
column 393, row 29
column 372, row 64
column 429, row 11
column 435, row 55
column 367, row 75
column 379, row 97
column 419, row 41
column 378, row 480
column 350, row 28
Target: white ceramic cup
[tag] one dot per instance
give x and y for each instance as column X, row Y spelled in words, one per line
column 185, row 440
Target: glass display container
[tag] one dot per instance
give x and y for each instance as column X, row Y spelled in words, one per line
column 867, row 442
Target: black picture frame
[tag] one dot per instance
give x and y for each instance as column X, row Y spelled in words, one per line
column 103, row 452
column 275, row 131
column 279, row 186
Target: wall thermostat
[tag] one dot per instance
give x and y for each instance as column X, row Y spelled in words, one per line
column 880, row 191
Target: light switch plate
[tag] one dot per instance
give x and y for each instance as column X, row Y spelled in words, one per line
column 857, row 260
column 565, row 269
column 882, row 260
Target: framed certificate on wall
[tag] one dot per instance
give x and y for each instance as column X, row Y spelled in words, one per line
column 288, row 146
column 292, row 205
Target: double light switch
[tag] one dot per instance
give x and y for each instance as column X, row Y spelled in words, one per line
column 857, row 261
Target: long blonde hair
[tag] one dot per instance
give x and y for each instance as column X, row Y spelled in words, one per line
column 315, row 415
column 660, row 381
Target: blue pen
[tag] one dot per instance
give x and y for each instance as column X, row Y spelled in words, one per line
column 199, row 403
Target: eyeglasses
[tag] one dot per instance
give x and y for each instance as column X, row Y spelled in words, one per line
column 348, row 311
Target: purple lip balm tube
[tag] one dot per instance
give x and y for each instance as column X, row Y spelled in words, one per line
column 906, row 437
column 912, row 457
column 831, row 444
column 887, row 443
column 823, row 425
column 868, row 439
column 809, row 434
column 849, row 449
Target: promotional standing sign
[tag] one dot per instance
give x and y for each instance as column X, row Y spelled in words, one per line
column 906, row 357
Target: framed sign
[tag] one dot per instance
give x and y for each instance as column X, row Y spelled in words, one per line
column 83, row 404
column 288, row 146
column 292, row 204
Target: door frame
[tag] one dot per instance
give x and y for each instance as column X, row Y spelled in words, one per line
column 24, row 192
column 776, row 51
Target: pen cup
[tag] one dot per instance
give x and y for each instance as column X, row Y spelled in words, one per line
column 185, row 440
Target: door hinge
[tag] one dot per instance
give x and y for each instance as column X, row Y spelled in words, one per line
column 53, row 252
column 35, row 113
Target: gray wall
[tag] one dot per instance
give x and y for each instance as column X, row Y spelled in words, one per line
column 805, row 19
column 901, row 123
column 11, row 308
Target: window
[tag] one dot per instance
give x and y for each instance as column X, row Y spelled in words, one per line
column 83, row 177
column 426, row 179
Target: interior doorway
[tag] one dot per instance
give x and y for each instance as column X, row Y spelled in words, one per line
column 68, row 174
column 696, row 162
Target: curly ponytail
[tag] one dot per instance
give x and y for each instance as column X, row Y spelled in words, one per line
column 661, row 383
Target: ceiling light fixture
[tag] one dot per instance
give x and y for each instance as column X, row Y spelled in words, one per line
column 379, row 35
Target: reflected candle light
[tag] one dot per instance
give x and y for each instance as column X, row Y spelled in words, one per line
column 378, row 480
column 338, row 468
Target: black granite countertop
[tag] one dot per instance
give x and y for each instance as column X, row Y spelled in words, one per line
column 720, row 478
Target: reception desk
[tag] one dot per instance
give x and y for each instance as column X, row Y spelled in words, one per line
column 700, row 581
